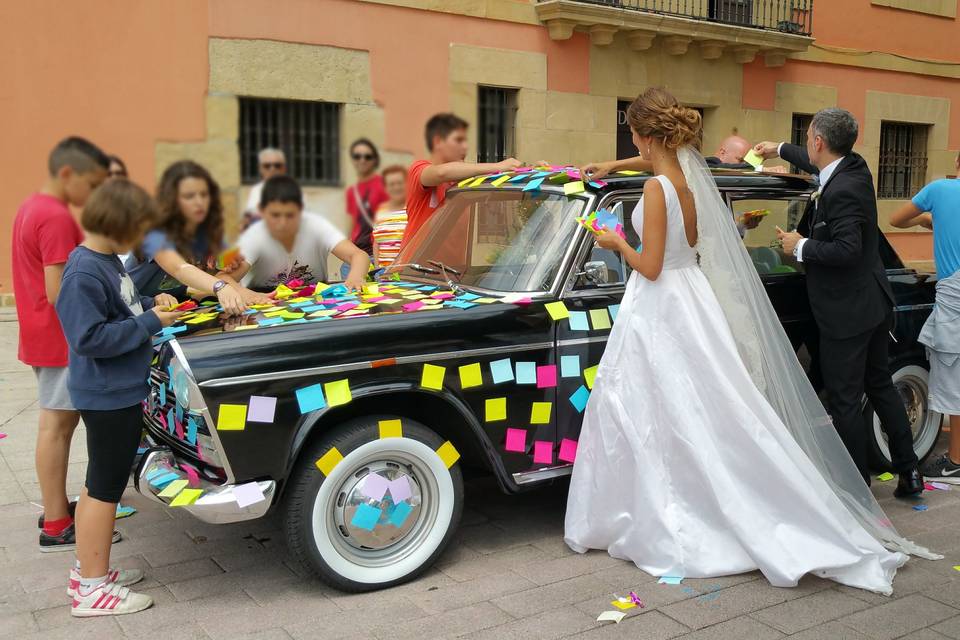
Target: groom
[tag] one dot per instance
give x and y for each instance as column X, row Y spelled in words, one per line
column 837, row 241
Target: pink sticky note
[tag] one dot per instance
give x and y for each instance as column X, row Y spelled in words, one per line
column 2, row 436
column 413, row 306
column 192, row 474
column 547, row 376
column 178, row 426
column 346, row 306
column 568, row 450
column 377, row 299
column 442, row 296
column 163, row 421
column 247, row 494
column 929, row 487
column 542, row 452
column 522, row 301
column 516, row 440
column 400, row 489
column 375, row 485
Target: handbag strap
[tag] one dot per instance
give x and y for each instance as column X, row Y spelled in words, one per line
column 362, row 206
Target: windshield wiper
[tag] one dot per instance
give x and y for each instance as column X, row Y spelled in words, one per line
column 445, row 268
column 415, row 267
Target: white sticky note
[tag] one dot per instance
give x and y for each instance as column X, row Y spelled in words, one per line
column 248, row 494
column 615, row 616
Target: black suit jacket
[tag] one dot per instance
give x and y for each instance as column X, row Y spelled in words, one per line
column 846, row 281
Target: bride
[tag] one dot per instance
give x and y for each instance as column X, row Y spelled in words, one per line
column 704, row 450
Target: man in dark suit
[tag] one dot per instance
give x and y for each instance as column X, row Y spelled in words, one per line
column 837, row 242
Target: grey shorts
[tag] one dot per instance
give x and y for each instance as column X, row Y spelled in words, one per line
column 944, row 384
column 52, row 383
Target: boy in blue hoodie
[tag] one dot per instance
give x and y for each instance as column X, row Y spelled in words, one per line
column 109, row 329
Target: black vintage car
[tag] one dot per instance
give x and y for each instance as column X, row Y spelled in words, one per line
column 354, row 417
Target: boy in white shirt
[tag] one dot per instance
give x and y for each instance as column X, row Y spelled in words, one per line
column 293, row 244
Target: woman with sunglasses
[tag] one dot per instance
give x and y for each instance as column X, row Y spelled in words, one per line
column 365, row 197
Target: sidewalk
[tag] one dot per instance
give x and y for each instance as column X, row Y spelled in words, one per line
column 506, row 575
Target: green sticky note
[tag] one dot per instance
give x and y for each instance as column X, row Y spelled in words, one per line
column 432, row 377
column 496, row 409
column 600, row 319
column 232, row 417
column 186, row 497
column 572, row 188
column 557, row 310
column 174, row 488
column 753, row 159
column 540, row 413
column 885, row 477
column 471, row 375
column 337, row 392
column 590, row 375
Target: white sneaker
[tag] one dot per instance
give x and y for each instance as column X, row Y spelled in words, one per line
column 123, row 577
column 109, row 599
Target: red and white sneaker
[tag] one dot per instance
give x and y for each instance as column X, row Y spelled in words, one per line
column 123, row 577
column 109, row 599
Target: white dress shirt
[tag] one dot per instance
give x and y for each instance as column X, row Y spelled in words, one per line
column 825, row 175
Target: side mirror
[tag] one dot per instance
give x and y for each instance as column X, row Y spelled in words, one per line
column 596, row 272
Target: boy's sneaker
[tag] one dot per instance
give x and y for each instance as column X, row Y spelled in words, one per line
column 71, row 509
column 109, row 599
column 66, row 540
column 123, row 577
column 942, row 470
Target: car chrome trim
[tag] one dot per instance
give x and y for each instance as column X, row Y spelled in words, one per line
column 539, row 475
column 914, row 307
column 578, row 341
column 369, row 364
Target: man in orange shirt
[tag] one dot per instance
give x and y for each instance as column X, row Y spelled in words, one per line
column 428, row 180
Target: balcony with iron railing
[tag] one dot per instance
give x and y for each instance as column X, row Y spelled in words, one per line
column 745, row 28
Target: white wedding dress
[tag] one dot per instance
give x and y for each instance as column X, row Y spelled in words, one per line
column 684, row 468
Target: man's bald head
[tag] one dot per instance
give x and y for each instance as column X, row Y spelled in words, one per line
column 733, row 149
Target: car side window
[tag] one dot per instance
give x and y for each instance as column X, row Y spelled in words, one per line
column 758, row 220
column 604, row 267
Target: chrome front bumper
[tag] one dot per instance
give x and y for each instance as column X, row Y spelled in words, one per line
column 217, row 505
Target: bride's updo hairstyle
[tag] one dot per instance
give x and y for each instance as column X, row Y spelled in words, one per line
column 657, row 114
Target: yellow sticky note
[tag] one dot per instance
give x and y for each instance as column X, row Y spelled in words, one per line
column 186, row 497
column 956, row 567
column 485, row 300
column 571, row 188
column 337, row 392
column 496, row 409
column 172, row 489
column 232, row 417
column 448, row 453
column 245, row 327
column 557, row 310
column 599, row 318
column 753, row 159
column 329, row 460
column 323, row 313
column 371, row 289
column 590, row 375
column 478, row 181
column 885, row 477
column 471, row 376
column 432, row 377
column 629, row 172
column 465, row 182
column 540, row 413
column 283, row 291
column 623, row 606
column 364, row 306
column 499, row 181
column 391, row 429
column 198, row 320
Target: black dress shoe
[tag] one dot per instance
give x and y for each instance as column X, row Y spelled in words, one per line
column 910, row 484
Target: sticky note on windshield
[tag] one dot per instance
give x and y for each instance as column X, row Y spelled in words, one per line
column 502, row 371
column 547, row 376
column 573, row 188
column 516, row 440
column 432, row 377
column 557, row 310
column 471, row 375
column 540, row 412
column 338, row 392
column 569, row 366
column 496, row 409
column 590, row 375
column 542, row 452
column 526, row 373
column 533, row 185
column 578, row 321
column 600, row 319
column 753, row 159
column 579, row 398
column 232, row 417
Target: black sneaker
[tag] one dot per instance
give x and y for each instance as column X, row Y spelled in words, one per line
column 66, row 540
column 71, row 509
column 942, row 470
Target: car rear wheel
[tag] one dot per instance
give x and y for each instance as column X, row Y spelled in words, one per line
column 357, row 536
column 912, row 382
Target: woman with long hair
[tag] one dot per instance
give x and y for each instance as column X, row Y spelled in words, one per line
column 704, row 451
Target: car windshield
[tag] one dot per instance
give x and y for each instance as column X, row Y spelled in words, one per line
column 505, row 240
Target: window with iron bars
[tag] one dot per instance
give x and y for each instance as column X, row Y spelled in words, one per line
column 798, row 135
column 903, row 160
column 307, row 132
column 496, row 123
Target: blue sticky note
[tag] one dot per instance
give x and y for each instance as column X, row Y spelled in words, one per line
column 427, row 287
column 162, row 481
column 305, row 303
column 533, row 185
column 335, row 290
column 297, row 321
column 171, row 425
column 579, row 398
column 519, row 177
column 169, row 331
column 311, row 398
column 266, row 322
column 670, row 580
column 502, row 371
column 468, row 297
column 178, row 411
column 162, row 393
column 569, row 366
column 544, row 174
column 155, row 473
column 920, row 507
column 250, row 312
column 400, row 514
column 310, row 307
column 159, row 340
column 614, row 310
column 321, row 319
column 526, row 373
column 578, row 321
column 191, row 431
column 607, row 219
column 123, row 512
column 366, row 517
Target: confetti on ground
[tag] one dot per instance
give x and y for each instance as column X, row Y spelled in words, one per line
column 2, row 436
column 623, row 604
column 636, row 599
column 615, row 616
column 670, row 580
column 940, row 486
column 124, row 512
column 885, row 477
column 920, row 507
column 956, row 567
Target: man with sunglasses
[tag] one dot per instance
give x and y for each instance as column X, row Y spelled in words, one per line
column 272, row 162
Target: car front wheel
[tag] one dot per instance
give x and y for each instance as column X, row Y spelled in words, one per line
column 912, row 382
column 365, row 511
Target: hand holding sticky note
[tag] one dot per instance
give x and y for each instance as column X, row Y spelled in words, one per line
column 226, row 259
column 753, row 159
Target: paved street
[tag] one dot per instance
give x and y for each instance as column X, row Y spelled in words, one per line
column 506, row 575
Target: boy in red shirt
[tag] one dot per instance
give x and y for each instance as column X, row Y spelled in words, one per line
column 44, row 234
column 428, row 180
